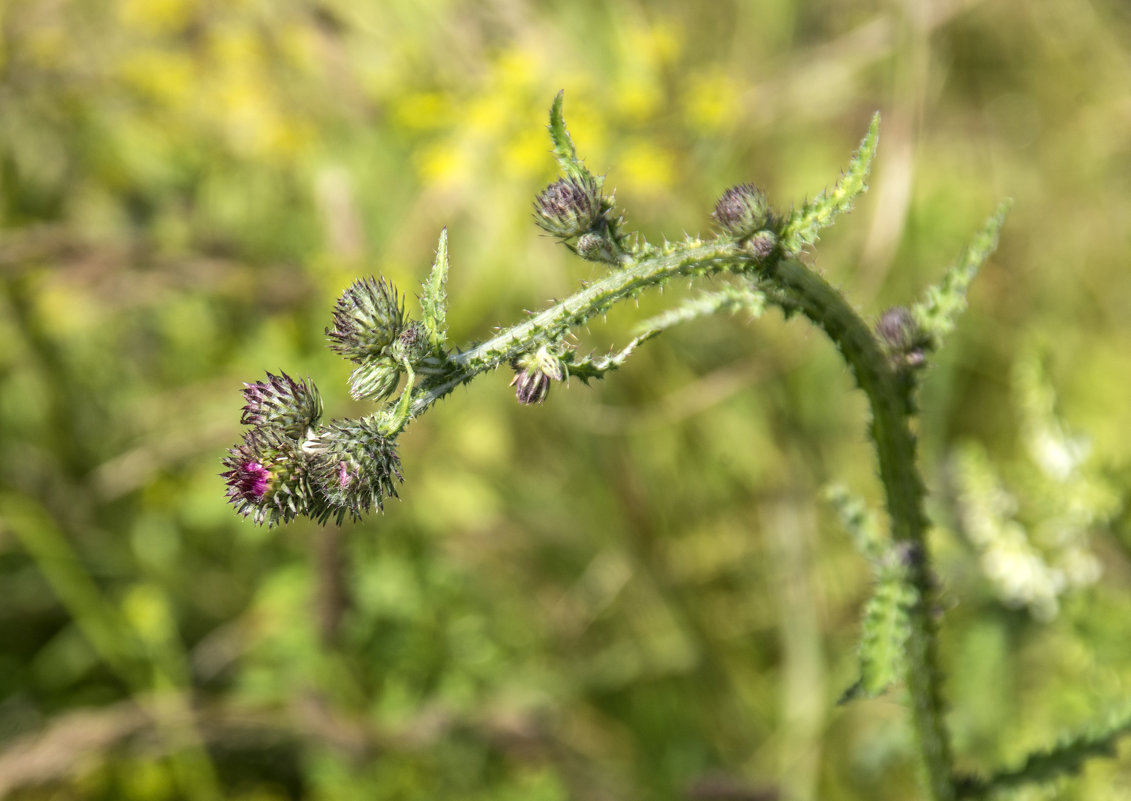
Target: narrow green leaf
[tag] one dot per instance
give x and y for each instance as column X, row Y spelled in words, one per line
column 937, row 313
column 804, row 224
column 434, row 299
column 883, row 637
column 564, row 151
column 886, row 624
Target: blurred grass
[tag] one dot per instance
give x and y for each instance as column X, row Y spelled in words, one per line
column 631, row 592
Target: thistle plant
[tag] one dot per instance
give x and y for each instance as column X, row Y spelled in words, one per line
column 292, row 464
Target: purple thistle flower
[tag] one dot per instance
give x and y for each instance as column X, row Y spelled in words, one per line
column 266, row 477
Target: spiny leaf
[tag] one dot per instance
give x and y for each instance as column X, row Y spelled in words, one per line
column 883, row 637
column 886, row 626
column 564, row 151
column 587, row 368
column 1066, row 758
column 434, row 300
column 937, row 312
column 806, row 222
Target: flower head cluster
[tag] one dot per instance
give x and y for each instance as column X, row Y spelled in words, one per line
column 370, row 328
column 289, row 466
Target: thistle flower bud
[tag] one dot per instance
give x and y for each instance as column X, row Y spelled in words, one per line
column 367, row 319
column 412, row 344
column 375, row 379
column 267, row 478
column 568, row 207
column 901, row 336
column 742, row 210
column 534, row 374
column 762, row 244
column 354, row 467
column 282, row 402
column 594, row 247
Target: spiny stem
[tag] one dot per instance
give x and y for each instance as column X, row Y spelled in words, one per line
column 895, row 446
column 801, row 289
column 556, row 321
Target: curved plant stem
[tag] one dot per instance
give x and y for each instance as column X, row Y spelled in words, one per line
column 808, row 293
column 795, row 288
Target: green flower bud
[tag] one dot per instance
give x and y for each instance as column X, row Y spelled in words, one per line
column 375, row 379
column 568, row 207
column 367, row 319
column 412, row 344
column 742, row 210
column 594, row 247
column 283, row 403
column 761, row 245
column 355, row 467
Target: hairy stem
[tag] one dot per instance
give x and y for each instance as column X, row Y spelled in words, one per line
column 895, row 447
column 556, row 321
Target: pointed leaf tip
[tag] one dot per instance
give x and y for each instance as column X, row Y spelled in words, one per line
column 937, row 313
column 805, row 223
column 564, row 150
column 434, row 298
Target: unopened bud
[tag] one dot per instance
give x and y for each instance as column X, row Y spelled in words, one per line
column 742, row 210
column 355, row 466
column 367, row 319
column 535, row 372
column 375, row 379
column 568, row 207
column 900, row 334
column 594, row 247
column 282, row 402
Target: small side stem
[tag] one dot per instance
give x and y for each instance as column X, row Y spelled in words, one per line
column 596, row 298
column 895, row 446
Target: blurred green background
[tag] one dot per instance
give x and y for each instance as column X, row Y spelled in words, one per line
column 633, row 591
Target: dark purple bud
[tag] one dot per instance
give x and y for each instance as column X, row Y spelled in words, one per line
column 568, row 207
column 742, row 210
column 761, row 245
column 902, row 338
column 534, row 373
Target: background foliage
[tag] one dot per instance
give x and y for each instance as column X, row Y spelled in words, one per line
column 633, row 591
